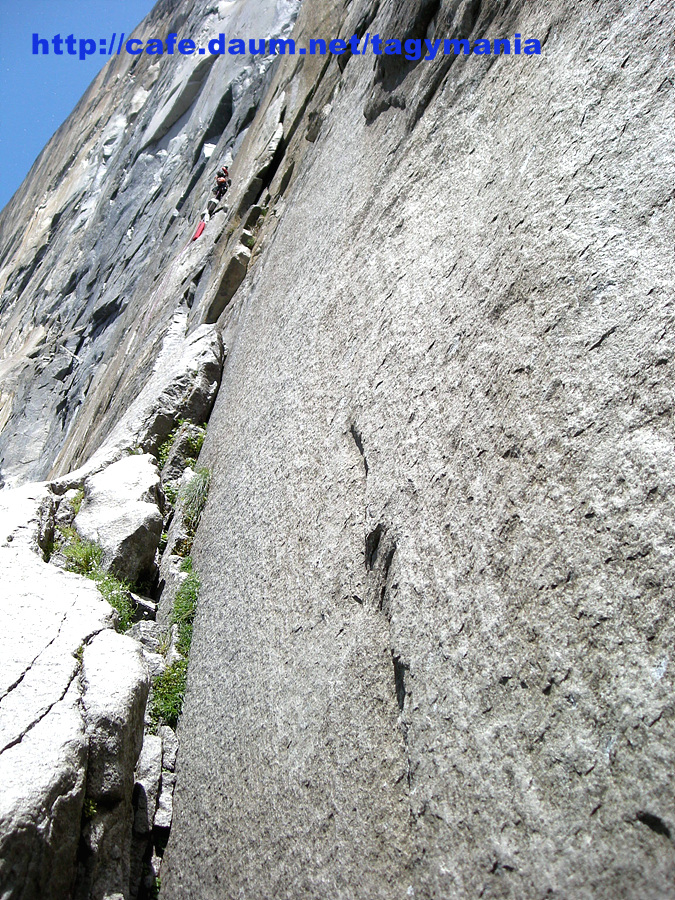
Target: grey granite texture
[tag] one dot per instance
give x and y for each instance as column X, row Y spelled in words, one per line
column 433, row 653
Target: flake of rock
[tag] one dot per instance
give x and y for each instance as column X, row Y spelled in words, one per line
column 148, row 634
column 47, row 618
column 120, row 512
column 68, row 729
column 164, row 813
column 116, row 689
column 146, row 790
column 27, row 517
column 48, row 803
column 232, row 277
column 169, row 747
column 148, row 778
column 116, row 682
column 181, row 450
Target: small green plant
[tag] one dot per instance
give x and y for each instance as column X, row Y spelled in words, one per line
column 76, row 501
column 184, row 640
column 165, row 448
column 194, row 443
column 184, row 609
column 84, row 558
column 183, row 546
column 79, row 653
column 193, row 497
column 163, row 541
column 171, row 492
column 165, row 642
column 89, row 808
column 168, row 693
column 116, row 592
column 155, row 889
column 168, row 689
column 185, row 604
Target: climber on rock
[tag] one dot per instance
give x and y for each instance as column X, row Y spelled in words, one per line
column 223, row 183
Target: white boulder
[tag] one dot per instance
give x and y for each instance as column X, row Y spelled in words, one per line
column 72, row 701
column 121, row 513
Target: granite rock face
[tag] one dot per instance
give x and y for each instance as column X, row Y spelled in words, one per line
column 95, row 259
column 72, row 705
column 120, row 512
column 71, row 723
column 433, row 649
column 433, row 656
column 115, row 690
column 99, row 359
column 47, row 615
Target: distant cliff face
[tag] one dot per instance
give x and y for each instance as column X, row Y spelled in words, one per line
column 87, row 244
column 433, row 653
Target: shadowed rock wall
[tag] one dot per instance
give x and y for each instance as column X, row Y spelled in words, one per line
column 93, row 255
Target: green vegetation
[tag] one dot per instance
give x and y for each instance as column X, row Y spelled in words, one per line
column 163, row 542
column 116, row 592
column 194, row 442
column 89, row 808
column 84, row 558
column 76, row 502
column 185, row 604
column 193, row 498
column 184, row 641
column 182, row 547
column 168, row 689
column 165, row 642
column 184, row 609
column 165, row 449
column 171, row 492
column 168, row 692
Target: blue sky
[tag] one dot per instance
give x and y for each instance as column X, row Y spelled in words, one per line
column 37, row 93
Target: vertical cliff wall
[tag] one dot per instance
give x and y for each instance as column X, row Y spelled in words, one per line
column 433, row 650
column 433, row 656
column 93, row 265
